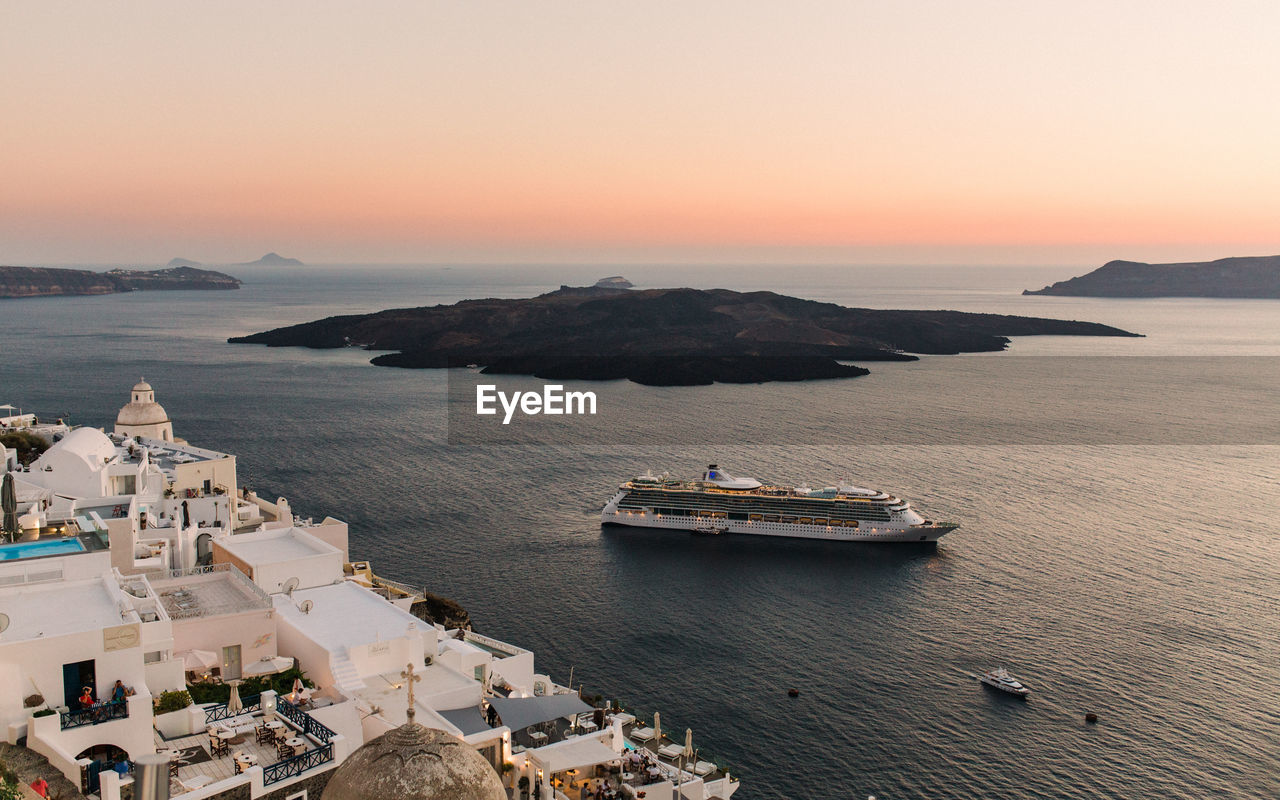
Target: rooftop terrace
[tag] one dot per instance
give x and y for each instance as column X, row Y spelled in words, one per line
column 207, row 592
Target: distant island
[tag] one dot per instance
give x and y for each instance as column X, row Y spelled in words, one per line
column 272, row 260
column 663, row 337
column 269, row 260
column 1247, row 276
column 54, row 282
column 614, row 282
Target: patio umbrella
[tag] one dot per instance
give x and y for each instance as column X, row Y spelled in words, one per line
column 186, row 515
column 268, row 665
column 9, row 501
column 657, row 727
column 234, row 706
column 198, row 660
column 688, row 743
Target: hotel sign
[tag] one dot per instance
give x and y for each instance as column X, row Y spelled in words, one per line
column 121, row 637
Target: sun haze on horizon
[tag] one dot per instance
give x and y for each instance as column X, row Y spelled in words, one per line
column 990, row 131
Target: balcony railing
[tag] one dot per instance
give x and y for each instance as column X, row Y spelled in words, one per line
column 305, row 722
column 220, row 711
column 297, row 765
column 94, row 715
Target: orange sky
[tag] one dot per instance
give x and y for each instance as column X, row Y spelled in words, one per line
column 475, row 131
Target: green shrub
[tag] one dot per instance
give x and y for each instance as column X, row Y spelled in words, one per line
column 172, row 701
column 44, row 712
column 28, row 445
column 282, row 683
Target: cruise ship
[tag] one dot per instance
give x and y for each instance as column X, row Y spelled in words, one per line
column 721, row 502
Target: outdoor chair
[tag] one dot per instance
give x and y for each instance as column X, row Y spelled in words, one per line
column 264, row 734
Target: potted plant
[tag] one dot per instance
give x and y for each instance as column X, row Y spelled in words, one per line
column 171, row 717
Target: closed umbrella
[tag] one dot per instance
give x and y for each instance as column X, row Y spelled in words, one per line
column 234, row 706
column 186, row 516
column 688, row 743
column 9, row 501
column 657, row 728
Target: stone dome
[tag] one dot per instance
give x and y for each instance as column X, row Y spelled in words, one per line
column 413, row 762
column 142, row 408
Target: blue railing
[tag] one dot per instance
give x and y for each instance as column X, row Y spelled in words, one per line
column 305, row 722
column 220, row 711
column 292, row 767
column 94, row 715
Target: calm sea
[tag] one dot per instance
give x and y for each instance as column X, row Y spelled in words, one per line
column 1133, row 573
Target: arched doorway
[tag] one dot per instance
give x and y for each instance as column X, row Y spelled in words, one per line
column 101, row 757
column 204, row 549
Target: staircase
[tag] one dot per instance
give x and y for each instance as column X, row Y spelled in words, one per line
column 345, row 677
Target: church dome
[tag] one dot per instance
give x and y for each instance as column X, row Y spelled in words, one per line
column 142, row 408
column 413, row 762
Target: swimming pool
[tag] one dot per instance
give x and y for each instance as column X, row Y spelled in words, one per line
column 49, row 547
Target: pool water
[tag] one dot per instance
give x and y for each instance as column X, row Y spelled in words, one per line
column 51, row 547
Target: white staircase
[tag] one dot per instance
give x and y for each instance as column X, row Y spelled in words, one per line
column 345, row 676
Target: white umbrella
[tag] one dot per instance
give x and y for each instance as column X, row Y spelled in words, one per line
column 234, row 706
column 198, row 660
column 688, row 743
column 657, row 727
column 269, row 665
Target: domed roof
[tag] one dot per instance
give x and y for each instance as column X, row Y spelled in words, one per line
column 414, row 762
column 143, row 408
column 142, row 414
column 88, row 445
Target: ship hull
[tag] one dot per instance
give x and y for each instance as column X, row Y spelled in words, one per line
column 790, row 530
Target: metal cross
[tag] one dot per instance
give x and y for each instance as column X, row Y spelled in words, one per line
column 410, row 679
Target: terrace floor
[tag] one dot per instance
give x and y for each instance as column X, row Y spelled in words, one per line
column 196, row 764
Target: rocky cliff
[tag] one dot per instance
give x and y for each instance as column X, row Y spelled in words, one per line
column 1252, row 276
column 53, row 282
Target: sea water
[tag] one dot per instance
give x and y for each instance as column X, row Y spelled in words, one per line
column 1124, row 563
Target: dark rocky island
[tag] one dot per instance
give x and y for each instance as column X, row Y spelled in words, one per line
column 1251, row 276
column 52, row 282
column 663, row 337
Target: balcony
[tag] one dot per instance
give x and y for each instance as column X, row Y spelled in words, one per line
column 94, row 715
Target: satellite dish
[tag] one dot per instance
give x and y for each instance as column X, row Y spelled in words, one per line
column 4, row 622
column 306, row 606
column 290, row 585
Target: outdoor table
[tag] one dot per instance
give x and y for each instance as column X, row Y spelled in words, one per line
column 297, row 743
column 588, row 726
column 538, row 736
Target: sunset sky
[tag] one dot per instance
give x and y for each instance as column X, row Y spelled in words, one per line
column 974, row 131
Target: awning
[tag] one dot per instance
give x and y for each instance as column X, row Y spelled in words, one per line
column 519, row 713
column 581, row 751
column 469, row 720
column 197, row 660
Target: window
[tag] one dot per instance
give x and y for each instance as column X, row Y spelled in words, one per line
column 155, row 656
column 302, row 795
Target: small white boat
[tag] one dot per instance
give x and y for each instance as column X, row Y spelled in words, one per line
column 999, row 678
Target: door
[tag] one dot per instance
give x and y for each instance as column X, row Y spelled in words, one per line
column 231, row 662
column 74, row 678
